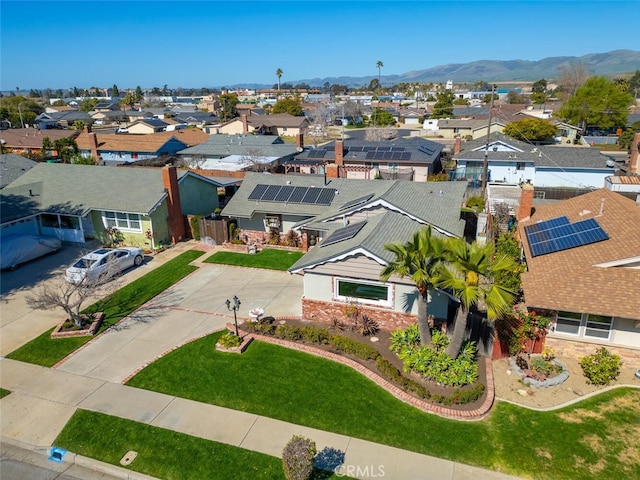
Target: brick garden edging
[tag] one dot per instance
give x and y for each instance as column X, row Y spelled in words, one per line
column 98, row 317
column 476, row 414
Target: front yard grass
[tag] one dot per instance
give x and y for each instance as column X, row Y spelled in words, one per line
column 46, row 351
column 268, row 258
column 162, row 453
column 595, row 439
column 4, row 392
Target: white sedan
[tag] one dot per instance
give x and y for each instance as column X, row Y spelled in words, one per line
column 103, row 262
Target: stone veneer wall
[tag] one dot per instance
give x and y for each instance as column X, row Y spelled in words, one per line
column 573, row 349
column 324, row 311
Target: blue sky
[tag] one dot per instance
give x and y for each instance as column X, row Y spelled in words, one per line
column 221, row 43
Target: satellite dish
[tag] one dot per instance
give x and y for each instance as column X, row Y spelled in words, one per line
column 300, row 149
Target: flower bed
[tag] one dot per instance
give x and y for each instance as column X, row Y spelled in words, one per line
column 65, row 330
column 537, row 379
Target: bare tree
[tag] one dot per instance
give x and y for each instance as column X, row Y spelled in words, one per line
column 59, row 293
column 379, row 134
column 253, row 156
column 573, row 77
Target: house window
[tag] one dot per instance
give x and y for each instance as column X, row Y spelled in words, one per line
column 373, row 293
column 598, row 326
column 272, row 221
column 122, row 221
column 519, row 165
column 568, row 322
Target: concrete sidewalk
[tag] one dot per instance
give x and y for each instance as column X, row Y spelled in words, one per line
column 44, row 399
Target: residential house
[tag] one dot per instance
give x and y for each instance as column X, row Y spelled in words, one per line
column 12, row 166
column 126, row 148
column 469, row 129
column 109, row 117
column 344, row 224
column 147, row 126
column 590, row 280
column 512, row 161
column 78, row 202
column 401, row 158
column 63, row 119
column 28, row 141
column 279, row 124
column 195, row 119
column 239, row 153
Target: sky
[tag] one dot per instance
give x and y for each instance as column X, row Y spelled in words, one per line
column 193, row 44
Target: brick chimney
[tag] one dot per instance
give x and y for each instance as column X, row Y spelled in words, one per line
column 332, row 170
column 635, row 154
column 175, row 220
column 87, row 128
column 300, row 140
column 457, row 146
column 245, row 127
column 93, row 144
column 526, row 202
column 339, row 147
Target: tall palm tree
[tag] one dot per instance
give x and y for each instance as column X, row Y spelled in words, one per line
column 379, row 65
column 420, row 259
column 470, row 274
column 278, row 74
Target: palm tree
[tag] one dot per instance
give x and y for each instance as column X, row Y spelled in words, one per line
column 279, row 74
column 470, row 274
column 420, row 259
column 379, row 65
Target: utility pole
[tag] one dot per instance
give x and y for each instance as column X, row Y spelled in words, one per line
column 485, row 163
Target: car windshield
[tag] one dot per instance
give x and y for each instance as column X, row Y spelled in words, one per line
column 84, row 263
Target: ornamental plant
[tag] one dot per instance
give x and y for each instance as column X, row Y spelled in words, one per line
column 297, row 458
column 229, row 340
column 601, row 367
column 522, row 328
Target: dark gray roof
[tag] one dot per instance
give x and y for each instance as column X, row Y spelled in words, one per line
column 201, row 117
column 435, row 203
column 420, row 150
column 539, row 155
column 152, row 122
column 70, row 116
column 12, row 166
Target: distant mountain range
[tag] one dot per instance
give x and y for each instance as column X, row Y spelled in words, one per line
column 607, row 64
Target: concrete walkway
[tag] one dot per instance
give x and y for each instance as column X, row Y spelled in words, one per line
column 43, row 400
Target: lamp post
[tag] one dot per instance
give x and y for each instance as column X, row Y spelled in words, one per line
column 235, row 307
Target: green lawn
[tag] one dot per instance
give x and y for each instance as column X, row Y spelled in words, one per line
column 163, row 453
column 4, row 393
column 595, row 439
column 268, row 258
column 46, row 351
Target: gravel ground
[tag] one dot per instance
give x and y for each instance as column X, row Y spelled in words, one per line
column 508, row 385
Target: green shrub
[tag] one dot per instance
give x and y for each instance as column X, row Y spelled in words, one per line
column 315, row 335
column 403, row 337
column 476, row 202
column 601, row 367
column 543, row 366
column 298, row 457
column 348, row 345
column 288, row 332
column 230, row 340
column 195, row 226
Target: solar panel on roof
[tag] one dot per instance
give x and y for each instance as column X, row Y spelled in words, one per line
column 387, row 155
column 326, row 196
column 270, row 193
column 257, row 192
column 298, row 194
column 355, row 149
column 397, row 149
column 344, row 233
column 406, row 156
column 558, row 234
column 317, row 153
column 355, row 202
column 311, row 196
column 284, row 194
column 369, row 149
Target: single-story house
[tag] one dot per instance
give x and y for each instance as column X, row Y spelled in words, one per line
column 109, row 117
column 147, row 126
column 401, row 158
column 279, row 124
column 239, row 152
column 344, row 224
column 583, row 264
column 78, row 202
column 64, row 119
column 126, row 148
column 28, row 141
column 512, row 161
column 465, row 128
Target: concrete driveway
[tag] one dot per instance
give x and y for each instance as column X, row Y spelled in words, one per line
column 190, row 309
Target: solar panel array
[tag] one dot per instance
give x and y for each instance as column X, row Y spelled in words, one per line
column 355, row 202
column 316, row 153
column 559, row 234
column 388, row 156
column 291, row 194
column 344, row 233
column 375, row 149
column 427, row 150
